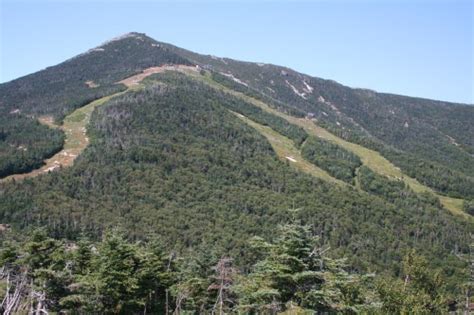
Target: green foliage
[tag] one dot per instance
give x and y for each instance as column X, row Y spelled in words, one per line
column 337, row 161
column 173, row 160
column 38, row 262
column 420, row 291
column 296, row 271
column 374, row 183
column 468, row 207
column 190, row 290
column 112, row 277
column 25, row 143
column 117, row 274
column 442, row 178
column 295, row 133
column 255, row 93
column 429, row 140
column 60, row 89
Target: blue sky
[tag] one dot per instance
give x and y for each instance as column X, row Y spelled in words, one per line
column 418, row 48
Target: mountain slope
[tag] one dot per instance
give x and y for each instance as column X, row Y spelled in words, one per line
column 352, row 151
column 429, row 140
column 56, row 91
column 59, row 89
column 24, row 143
column 173, row 157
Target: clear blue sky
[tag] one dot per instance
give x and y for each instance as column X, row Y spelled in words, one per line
column 419, row 48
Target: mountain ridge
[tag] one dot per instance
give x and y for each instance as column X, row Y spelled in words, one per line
column 208, row 156
column 135, row 34
column 405, row 130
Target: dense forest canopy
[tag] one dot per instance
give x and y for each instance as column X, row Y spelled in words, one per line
column 174, row 157
column 292, row 273
column 339, row 162
column 203, row 198
column 25, row 143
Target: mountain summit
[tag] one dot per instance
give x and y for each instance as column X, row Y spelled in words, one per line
column 204, row 157
column 418, row 127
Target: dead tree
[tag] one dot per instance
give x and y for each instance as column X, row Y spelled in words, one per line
column 223, row 280
column 20, row 295
column 181, row 296
column 16, row 292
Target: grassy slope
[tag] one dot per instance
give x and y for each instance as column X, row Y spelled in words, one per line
column 136, row 195
column 373, row 159
column 76, row 141
column 284, row 148
column 74, row 127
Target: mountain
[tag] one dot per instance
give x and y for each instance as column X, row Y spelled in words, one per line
column 58, row 90
column 206, row 152
column 429, row 140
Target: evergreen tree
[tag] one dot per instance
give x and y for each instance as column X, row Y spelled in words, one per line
column 296, row 272
column 468, row 206
column 155, row 276
column 420, row 291
column 190, row 291
column 117, row 267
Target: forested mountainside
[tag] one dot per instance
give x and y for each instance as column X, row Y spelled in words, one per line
column 435, row 137
column 429, row 140
column 59, row 89
column 192, row 172
column 24, row 143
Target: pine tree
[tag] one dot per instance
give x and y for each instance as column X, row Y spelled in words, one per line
column 295, row 271
column 156, row 275
column 420, row 291
column 84, row 296
column 118, row 282
column 192, row 281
